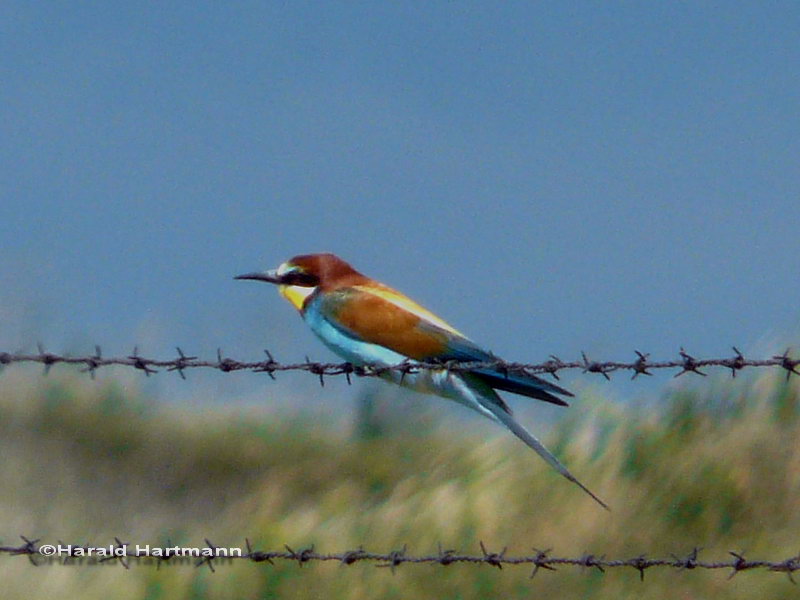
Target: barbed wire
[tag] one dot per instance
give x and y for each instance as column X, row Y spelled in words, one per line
column 642, row 365
column 541, row 559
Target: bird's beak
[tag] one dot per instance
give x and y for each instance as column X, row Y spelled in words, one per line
column 268, row 276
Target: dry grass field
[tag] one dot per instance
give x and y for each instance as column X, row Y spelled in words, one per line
column 715, row 465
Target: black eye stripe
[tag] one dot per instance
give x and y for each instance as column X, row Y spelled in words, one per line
column 301, row 279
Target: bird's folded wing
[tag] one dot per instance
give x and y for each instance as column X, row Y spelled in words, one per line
column 383, row 316
column 380, row 315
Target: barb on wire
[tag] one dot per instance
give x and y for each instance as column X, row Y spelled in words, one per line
column 541, row 559
column 642, row 365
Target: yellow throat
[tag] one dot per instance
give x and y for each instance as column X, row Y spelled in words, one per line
column 295, row 294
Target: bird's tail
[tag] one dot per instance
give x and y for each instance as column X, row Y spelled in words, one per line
column 531, row 440
column 487, row 402
column 523, row 384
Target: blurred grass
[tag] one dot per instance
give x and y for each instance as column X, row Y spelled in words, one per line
column 716, row 466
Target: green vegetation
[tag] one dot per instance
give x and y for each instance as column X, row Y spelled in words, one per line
column 715, row 466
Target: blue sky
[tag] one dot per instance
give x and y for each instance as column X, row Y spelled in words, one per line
column 549, row 178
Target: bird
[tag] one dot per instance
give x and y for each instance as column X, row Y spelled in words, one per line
column 368, row 323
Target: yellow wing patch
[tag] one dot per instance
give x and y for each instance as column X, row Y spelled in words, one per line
column 406, row 303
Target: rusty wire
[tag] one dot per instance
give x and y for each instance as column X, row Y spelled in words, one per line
column 541, row 559
column 642, row 365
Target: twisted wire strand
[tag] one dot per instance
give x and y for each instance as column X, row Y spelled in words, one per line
column 541, row 559
column 642, row 365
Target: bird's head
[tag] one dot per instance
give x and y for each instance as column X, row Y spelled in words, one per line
column 301, row 276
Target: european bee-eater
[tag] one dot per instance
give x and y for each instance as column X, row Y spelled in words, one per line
column 367, row 322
